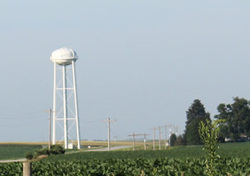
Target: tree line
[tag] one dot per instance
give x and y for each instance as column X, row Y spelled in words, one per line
column 235, row 126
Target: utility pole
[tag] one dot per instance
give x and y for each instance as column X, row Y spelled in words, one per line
column 134, row 135
column 115, row 138
column 166, row 140
column 165, row 134
column 176, row 130
column 109, row 121
column 50, row 113
column 172, row 130
column 159, row 141
column 145, row 135
column 159, row 137
column 154, row 138
column 170, row 127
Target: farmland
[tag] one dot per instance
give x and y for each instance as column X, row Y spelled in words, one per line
column 232, row 150
column 235, row 159
column 16, row 150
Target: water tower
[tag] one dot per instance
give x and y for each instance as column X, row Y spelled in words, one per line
column 65, row 105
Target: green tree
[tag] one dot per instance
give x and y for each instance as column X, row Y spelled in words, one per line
column 172, row 139
column 237, row 118
column 195, row 114
column 180, row 141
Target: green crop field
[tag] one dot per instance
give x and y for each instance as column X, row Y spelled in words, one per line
column 239, row 150
column 235, row 160
column 15, row 151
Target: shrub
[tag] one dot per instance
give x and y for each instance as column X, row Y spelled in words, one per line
column 43, row 152
column 29, row 155
column 209, row 132
column 57, row 149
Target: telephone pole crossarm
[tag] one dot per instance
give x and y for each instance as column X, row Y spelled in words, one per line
column 134, row 135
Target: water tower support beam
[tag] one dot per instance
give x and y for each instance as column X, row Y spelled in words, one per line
column 65, row 109
column 54, row 108
column 76, row 107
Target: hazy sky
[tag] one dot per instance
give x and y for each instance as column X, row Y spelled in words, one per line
column 141, row 62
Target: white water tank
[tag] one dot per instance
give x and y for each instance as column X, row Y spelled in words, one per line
column 63, row 56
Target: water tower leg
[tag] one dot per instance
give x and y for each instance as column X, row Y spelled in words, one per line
column 76, row 106
column 54, row 108
column 65, row 112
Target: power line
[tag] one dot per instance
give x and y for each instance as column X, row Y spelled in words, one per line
column 20, row 113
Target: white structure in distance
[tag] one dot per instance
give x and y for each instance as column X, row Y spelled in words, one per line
column 65, row 103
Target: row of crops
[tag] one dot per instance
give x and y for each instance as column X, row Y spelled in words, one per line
column 128, row 167
column 235, row 160
column 232, row 150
